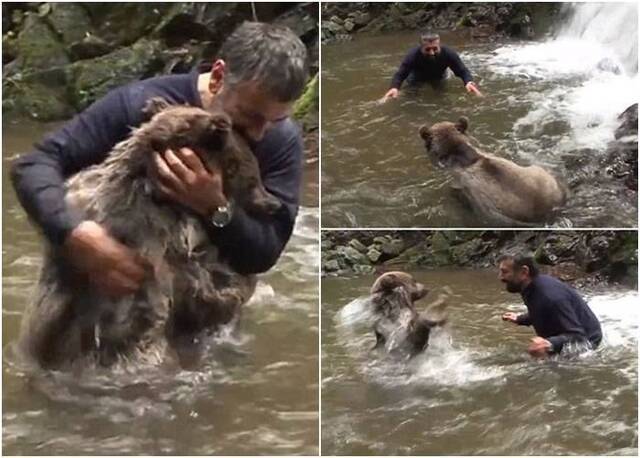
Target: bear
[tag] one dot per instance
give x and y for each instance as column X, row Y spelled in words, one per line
column 499, row 190
column 398, row 326
column 187, row 290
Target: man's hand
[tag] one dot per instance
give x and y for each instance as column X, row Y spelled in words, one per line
column 182, row 177
column 511, row 317
column 391, row 94
column 472, row 88
column 539, row 347
column 111, row 266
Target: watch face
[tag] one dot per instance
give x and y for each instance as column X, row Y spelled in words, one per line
column 221, row 216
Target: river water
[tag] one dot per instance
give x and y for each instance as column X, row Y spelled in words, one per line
column 543, row 101
column 475, row 391
column 256, row 394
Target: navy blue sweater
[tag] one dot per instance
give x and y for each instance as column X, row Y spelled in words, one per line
column 249, row 244
column 558, row 313
column 430, row 69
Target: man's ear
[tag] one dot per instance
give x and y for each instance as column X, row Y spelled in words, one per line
column 462, row 124
column 216, row 79
column 154, row 106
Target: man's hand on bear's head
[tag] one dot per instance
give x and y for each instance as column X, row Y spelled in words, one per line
column 183, row 178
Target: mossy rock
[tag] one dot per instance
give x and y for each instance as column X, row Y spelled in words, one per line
column 122, row 24
column 36, row 101
column 70, row 21
column 38, row 46
column 93, row 78
column 306, row 107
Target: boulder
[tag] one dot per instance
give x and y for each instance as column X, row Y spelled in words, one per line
column 93, row 78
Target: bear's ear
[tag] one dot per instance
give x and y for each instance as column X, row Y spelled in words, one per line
column 384, row 283
column 462, row 124
column 154, row 106
column 221, row 122
column 425, row 133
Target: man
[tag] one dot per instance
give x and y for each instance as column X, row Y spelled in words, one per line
column 260, row 72
column 556, row 311
column 429, row 62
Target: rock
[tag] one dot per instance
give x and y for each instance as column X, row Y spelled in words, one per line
column 331, row 266
column 38, row 46
column 36, row 100
column 355, row 243
column 326, row 245
column 363, row 269
column 9, row 47
column 306, row 107
column 89, row 47
column 566, row 271
column 440, row 249
column 93, row 78
column 126, row 23
column 392, row 248
column 70, row 21
column 360, row 18
column 333, row 27
column 373, row 255
column 380, row 240
column 629, row 122
column 556, row 248
column 349, row 25
column 621, row 158
column 352, row 256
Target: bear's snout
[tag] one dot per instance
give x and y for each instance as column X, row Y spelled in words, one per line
column 419, row 291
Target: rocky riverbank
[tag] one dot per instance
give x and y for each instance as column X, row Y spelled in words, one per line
column 583, row 257
column 487, row 21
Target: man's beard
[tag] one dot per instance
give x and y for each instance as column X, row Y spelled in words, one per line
column 513, row 287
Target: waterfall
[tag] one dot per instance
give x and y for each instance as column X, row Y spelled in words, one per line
column 586, row 75
column 612, row 26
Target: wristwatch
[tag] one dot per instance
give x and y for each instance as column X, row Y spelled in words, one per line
column 222, row 215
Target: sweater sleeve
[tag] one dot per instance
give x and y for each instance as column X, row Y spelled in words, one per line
column 458, row 68
column 38, row 177
column 253, row 244
column 404, row 70
column 523, row 319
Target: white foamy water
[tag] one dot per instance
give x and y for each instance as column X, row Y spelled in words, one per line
column 618, row 315
column 591, row 68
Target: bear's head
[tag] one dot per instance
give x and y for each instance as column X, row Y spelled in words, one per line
column 447, row 143
column 402, row 282
column 211, row 136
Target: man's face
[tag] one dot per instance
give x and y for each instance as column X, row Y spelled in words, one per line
column 252, row 110
column 514, row 279
column 431, row 48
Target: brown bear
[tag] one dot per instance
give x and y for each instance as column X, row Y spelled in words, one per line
column 187, row 291
column 398, row 325
column 498, row 189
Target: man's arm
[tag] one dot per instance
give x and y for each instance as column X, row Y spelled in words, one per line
column 565, row 318
column 458, row 68
column 404, row 70
column 523, row 319
column 253, row 244
column 38, row 177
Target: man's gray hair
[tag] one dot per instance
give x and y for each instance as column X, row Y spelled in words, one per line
column 269, row 54
column 429, row 36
